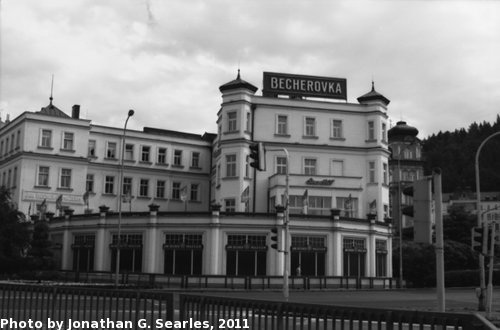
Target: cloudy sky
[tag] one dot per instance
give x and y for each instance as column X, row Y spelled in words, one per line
column 437, row 61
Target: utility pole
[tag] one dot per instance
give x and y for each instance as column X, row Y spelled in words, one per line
column 439, row 239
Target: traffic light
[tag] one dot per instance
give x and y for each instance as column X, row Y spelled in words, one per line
column 477, row 239
column 257, row 153
column 274, row 238
column 408, row 210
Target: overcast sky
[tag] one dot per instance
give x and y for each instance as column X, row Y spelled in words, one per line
column 437, row 61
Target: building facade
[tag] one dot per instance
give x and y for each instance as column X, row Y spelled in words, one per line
column 193, row 204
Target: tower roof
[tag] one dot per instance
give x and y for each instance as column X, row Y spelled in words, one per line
column 373, row 95
column 238, row 83
column 52, row 110
column 401, row 130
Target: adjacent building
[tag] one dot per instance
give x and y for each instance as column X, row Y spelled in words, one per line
column 193, row 204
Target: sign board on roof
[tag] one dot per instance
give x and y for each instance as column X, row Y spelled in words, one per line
column 299, row 85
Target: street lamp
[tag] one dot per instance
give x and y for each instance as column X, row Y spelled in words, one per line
column 400, row 210
column 481, row 297
column 120, row 193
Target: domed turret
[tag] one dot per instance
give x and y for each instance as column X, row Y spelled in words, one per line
column 402, row 130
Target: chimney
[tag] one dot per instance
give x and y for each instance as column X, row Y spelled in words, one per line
column 75, row 112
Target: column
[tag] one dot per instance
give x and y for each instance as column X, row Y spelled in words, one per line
column 150, row 242
column 213, row 250
column 100, row 249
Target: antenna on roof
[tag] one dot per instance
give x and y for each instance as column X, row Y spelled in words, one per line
column 51, row 89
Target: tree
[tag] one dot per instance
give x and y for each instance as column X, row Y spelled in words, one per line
column 14, row 234
column 40, row 254
column 457, row 225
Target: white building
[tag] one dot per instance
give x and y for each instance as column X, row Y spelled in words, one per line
column 338, row 184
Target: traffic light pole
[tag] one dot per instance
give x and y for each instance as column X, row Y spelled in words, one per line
column 482, row 298
column 439, row 240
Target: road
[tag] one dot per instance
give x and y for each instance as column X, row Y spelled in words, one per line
column 457, row 299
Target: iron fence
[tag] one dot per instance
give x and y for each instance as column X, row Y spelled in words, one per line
column 109, row 308
column 224, row 313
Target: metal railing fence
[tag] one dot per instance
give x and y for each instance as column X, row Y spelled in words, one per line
column 223, row 312
column 40, row 302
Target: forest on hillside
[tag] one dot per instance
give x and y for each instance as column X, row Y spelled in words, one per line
column 455, row 152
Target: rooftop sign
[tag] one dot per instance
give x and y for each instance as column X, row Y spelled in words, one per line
column 298, row 85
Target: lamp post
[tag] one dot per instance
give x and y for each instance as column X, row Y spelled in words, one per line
column 400, row 213
column 120, row 193
column 481, row 304
column 287, row 229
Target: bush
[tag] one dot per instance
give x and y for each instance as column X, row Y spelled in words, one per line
column 462, row 278
column 419, row 261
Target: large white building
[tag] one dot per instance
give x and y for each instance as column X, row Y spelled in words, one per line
column 338, row 184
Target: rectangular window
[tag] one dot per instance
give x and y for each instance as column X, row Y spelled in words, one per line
column 176, row 190
column 247, row 166
column 384, row 132
column 162, row 156
column 1, row 148
column 218, row 174
column 195, row 159
column 280, row 165
column 109, row 184
column 43, row 176
column 230, row 205
column 337, row 129
column 65, row 178
column 194, row 192
column 232, row 122
column 6, row 146
column 178, row 157
column 111, row 150
column 46, row 139
column 129, row 152
column 160, row 189
column 371, row 130
column 231, row 166
column 310, row 126
column 12, row 141
column 145, row 150
column 91, row 148
column 386, row 173
column 14, row 177
column 68, row 140
column 381, row 258
column 371, row 172
column 89, row 183
column 310, row 166
column 319, row 205
column 282, row 125
column 144, row 188
column 248, row 121
column 127, row 186
column 18, row 139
